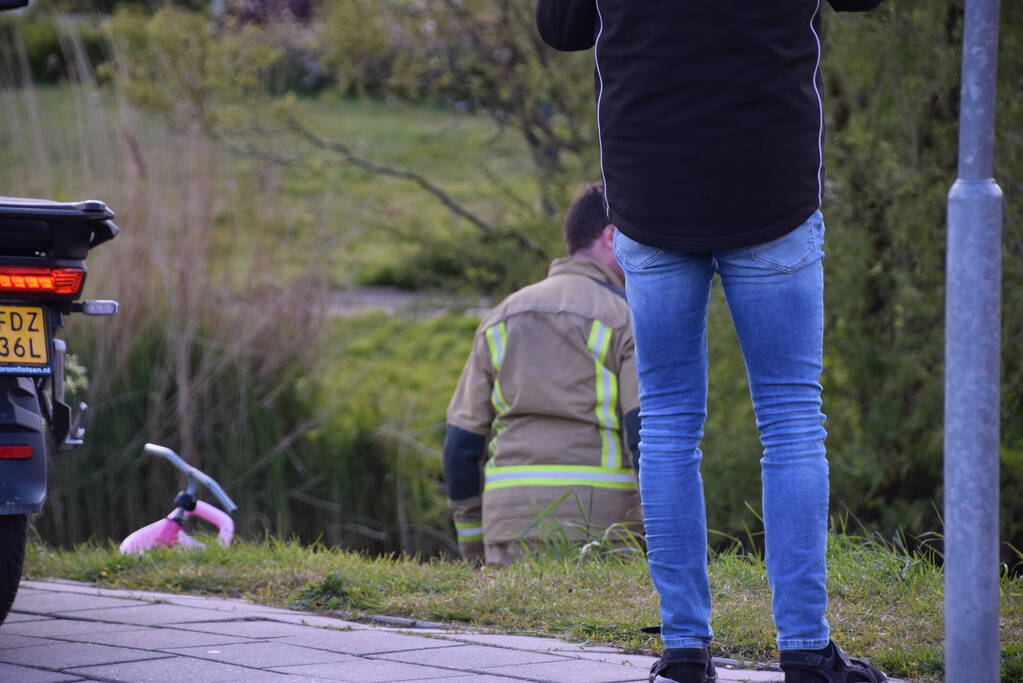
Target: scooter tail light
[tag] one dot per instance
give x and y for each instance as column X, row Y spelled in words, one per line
column 40, row 280
column 15, row 452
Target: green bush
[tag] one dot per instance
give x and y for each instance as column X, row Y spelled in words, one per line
column 52, row 48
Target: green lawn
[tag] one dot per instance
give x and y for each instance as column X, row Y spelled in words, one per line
column 886, row 605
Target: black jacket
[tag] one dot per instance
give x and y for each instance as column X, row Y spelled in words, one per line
column 709, row 112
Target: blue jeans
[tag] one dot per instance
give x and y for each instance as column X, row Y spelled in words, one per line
column 775, row 293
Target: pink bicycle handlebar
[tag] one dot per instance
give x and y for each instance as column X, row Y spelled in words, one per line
column 167, row 532
column 216, row 517
column 159, row 534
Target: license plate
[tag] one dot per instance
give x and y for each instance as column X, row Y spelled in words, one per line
column 24, row 342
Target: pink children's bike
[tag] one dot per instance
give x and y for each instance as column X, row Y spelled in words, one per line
column 169, row 531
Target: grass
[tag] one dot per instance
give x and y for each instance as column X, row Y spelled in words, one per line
column 886, row 604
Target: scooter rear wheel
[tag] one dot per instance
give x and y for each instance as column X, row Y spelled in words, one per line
column 13, row 535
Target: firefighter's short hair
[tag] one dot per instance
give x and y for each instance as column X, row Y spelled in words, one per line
column 586, row 218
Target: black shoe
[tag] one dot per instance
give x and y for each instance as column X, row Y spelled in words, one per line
column 827, row 665
column 684, row 665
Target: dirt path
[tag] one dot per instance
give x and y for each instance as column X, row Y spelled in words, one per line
column 394, row 301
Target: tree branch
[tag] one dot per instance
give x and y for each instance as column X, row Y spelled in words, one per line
column 453, row 205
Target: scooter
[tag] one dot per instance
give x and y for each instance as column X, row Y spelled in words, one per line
column 43, row 246
column 169, row 531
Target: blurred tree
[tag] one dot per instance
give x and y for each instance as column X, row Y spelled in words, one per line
column 267, row 11
column 486, row 56
column 196, row 76
column 109, row 6
column 356, row 43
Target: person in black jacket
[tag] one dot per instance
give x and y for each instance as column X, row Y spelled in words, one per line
column 711, row 124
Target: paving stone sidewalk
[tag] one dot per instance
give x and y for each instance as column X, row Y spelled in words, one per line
column 68, row 631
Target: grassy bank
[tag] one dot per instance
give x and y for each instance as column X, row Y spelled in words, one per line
column 886, row 604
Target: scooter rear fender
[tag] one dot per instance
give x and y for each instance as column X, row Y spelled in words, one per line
column 22, row 480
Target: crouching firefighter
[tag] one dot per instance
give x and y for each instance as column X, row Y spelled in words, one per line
column 543, row 429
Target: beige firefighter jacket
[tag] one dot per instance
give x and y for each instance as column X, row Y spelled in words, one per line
column 549, row 381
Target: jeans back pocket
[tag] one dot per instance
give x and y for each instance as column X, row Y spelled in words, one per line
column 633, row 255
column 793, row 250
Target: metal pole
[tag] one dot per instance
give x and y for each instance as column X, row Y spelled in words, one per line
column 972, row 368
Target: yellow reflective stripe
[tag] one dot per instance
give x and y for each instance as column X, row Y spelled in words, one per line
column 469, row 531
column 607, row 396
column 559, row 475
column 497, row 340
column 497, row 427
column 624, row 485
column 497, row 398
column 582, row 469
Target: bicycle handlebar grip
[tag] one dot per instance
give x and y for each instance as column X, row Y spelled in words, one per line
column 169, row 455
